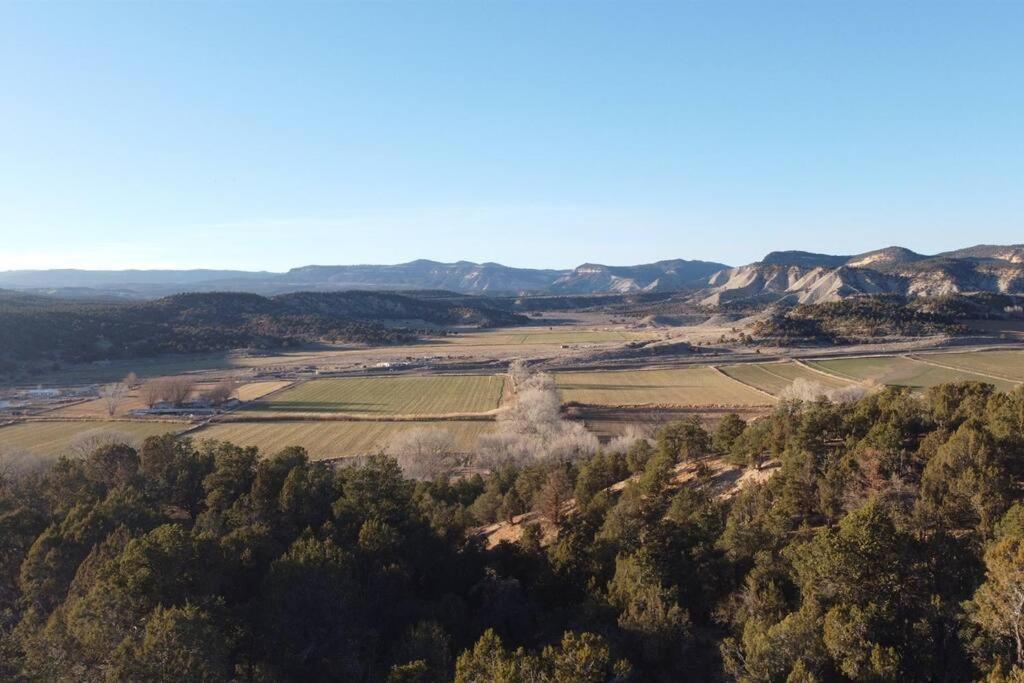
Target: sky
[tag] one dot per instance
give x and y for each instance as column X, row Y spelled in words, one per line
column 265, row 136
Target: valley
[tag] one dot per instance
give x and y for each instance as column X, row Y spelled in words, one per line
column 615, row 374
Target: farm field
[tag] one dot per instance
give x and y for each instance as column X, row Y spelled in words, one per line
column 775, row 377
column 329, row 439
column 255, row 390
column 55, row 438
column 97, row 408
column 1009, row 364
column 395, row 395
column 694, row 386
column 900, row 371
column 515, row 337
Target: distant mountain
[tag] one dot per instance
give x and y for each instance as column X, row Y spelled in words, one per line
column 463, row 277
column 802, row 277
column 662, row 276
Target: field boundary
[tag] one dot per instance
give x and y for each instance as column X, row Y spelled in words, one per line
column 721, row 372
column 987, row 375
column 835, row 375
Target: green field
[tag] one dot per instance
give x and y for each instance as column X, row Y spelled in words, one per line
column 55, row 438
column 695, row 386
column 775, row 377
column 329, row 439
column 900, row 371
column 1009, row 364
column 395, row 395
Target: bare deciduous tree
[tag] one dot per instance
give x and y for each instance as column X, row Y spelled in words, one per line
column 220, row 392
column 173, row 390
column 178, row 389
column 532, row 427
column 518, row 372
column 131, row 380
column 423, row 452
column 112, row 395
column 152, row 392
column 807, row 390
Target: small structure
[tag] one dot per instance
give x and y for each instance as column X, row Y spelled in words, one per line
column 42, row 393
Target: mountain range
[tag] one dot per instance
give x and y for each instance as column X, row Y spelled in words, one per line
column 787, row 276
column 463, row 277
column 803, row 277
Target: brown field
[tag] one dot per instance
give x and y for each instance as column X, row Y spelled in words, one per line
column 57, row 438
column 256, row 390
column 391, row 395
column 694, row 386
column 330, row 439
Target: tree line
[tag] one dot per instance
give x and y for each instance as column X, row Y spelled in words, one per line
column 882, row 539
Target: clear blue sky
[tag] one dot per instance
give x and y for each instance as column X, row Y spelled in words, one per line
column 265, row 136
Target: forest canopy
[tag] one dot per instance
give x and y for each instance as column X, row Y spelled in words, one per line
column 887, row 544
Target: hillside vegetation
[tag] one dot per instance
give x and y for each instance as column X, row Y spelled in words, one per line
column 886, row 546
column 41, row 328
column 867, row 317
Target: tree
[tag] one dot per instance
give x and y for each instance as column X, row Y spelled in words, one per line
column 112, row 395
column 998, row 604
column 552, row 497
column 178, row 389
column 131, row 380
column 729, row 429
column 153, row 392
column 684, row 440
column 423, row 452
column 220, row 392
column 178, row 644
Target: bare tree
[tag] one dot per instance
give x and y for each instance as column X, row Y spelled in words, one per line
column 533, row 428
column 518, row 372
column 423, row 452
column 153, row 392
column 806, row 390
column 178, row 389
column 220, row 392
column 112, row 395
column 131, row 380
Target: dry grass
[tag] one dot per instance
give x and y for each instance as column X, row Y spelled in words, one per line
column 693, row 386
column 256, row 390
column 55, row 438
column 335, row 438
column 394, row 395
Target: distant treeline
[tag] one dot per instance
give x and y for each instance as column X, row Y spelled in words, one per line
column 36, row 328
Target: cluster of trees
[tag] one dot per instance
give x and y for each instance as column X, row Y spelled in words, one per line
column 863, row 317
column 177, row 390
column 887, row 545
